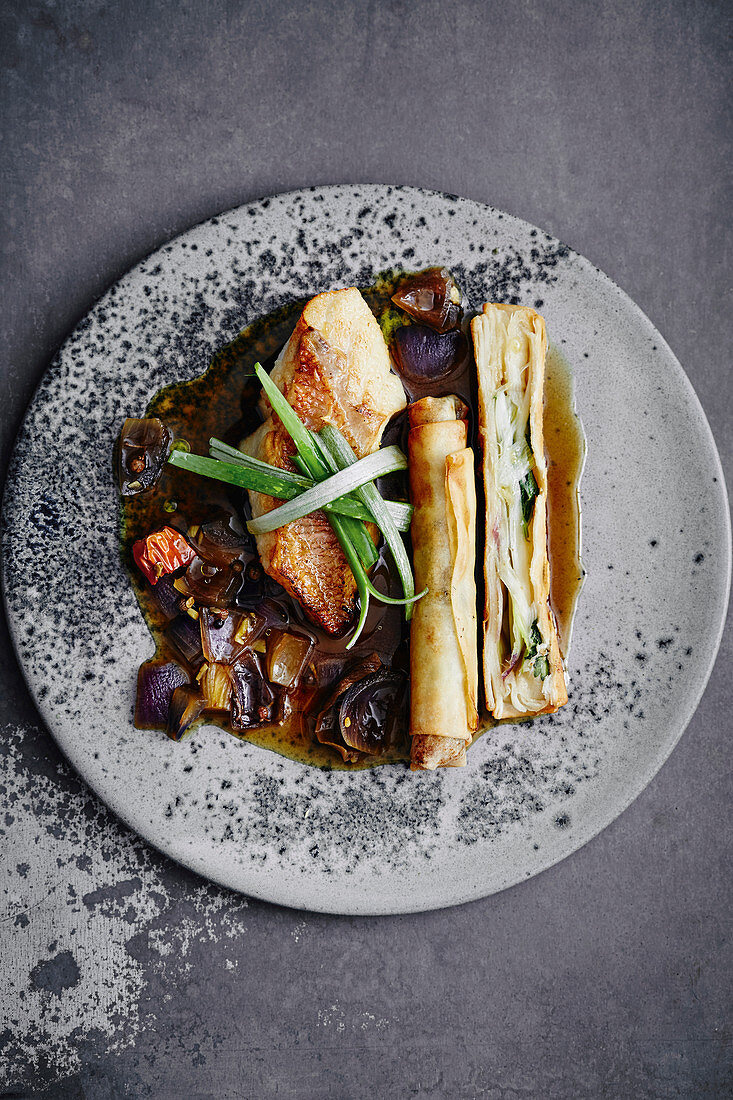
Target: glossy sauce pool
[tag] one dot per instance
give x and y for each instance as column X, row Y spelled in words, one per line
column 222, row 403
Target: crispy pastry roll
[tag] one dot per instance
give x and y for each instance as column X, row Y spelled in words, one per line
column 523, row 668
column 443, row 634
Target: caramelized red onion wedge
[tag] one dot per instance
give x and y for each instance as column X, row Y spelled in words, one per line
column 424, row 356
column 432, row 298
column 328, row 730
column 186, row 706
column 156, row 682
column 370, row 712
column 142, row 452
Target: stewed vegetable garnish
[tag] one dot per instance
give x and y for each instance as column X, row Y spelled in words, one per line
column 279, row 580
column 241, row 657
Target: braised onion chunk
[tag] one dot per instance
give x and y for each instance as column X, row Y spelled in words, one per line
column 186, row 707
column 424, row 355
column 287, row 656
column 432, row 298
column 370, row 712
column 523, row 669
column 143, row 448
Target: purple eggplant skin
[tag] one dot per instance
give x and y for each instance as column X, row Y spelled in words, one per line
column 184, row 634
column 253, row 700
column 425, row 356
column 156, row 682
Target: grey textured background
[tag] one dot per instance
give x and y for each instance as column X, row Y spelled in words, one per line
column 123, row 975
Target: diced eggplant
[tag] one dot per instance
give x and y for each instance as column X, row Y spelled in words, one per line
column 156, row 682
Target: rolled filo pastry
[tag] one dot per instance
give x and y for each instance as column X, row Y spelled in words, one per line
column 443, row 633
column 523, row 667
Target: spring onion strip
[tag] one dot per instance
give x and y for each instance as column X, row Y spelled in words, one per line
column 318, row 470
column 281, row 484
column 275, row 483
column 347, row 480
column 343, row 453
column 312, row 455
column 346, row 506
column 294, row 426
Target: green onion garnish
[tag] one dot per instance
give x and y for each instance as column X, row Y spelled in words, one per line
column 347, row 480
column 343, row 453
column 318, row 470
column 281, row 484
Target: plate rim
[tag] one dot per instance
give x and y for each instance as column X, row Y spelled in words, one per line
column 195, row 863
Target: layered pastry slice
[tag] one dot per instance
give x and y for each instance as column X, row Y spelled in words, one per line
column 523, row 667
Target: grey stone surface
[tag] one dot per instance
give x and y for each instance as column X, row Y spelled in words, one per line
column 606, row 124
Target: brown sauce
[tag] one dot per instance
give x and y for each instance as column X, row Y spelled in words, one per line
column 565, row 451
column 221, row 402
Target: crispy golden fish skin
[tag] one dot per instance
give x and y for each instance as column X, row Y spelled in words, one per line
column 334, row 369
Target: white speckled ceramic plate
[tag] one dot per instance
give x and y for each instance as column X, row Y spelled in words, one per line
column 656, row 549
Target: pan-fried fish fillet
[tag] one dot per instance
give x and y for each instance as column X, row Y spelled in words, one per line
column 334, row 369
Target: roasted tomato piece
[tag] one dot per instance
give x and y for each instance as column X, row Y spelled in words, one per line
column 163, row 552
